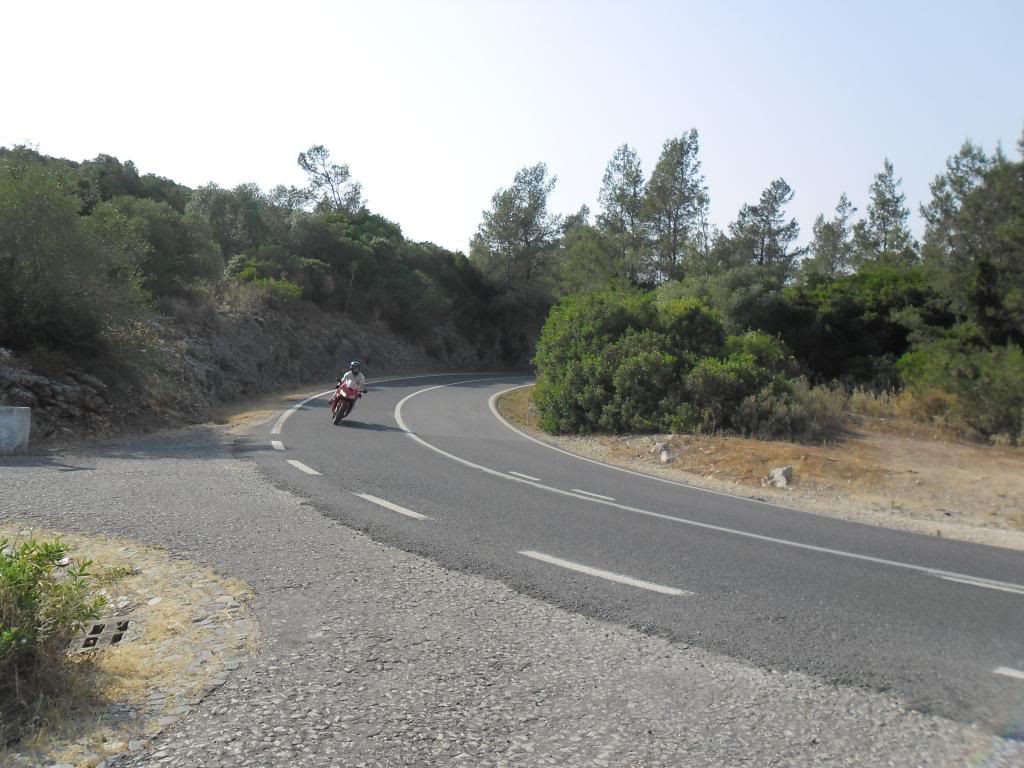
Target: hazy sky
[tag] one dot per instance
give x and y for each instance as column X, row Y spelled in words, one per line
column 434, row 105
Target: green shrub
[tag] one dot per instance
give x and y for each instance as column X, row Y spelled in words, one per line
column 585, row 323
column 584, row 341
column 768, row 351
column 41, row 610
column 617, row 387
column 796, row 411
column 62, row 281
column 981, row 388
column 715, row 388
column 691, row 326
column 654, row 362
column 646, row 375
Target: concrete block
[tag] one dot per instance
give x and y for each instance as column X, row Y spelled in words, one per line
column 15, row 424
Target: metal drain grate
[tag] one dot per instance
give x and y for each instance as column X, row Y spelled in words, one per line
column 104, row 633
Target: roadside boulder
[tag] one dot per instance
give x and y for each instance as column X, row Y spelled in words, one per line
column 780, row 477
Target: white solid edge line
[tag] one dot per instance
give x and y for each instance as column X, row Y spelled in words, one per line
column 393, row 507
column 671, row 518
column 986, row 584
column 279, row 424
column 492, row 403
column 299, row 465
column 618, row 578
column 1009, row 672
column 527, row 477
column 278, row 445
column 591, row 493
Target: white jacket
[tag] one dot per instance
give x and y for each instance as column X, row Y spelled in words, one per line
column 356, row 380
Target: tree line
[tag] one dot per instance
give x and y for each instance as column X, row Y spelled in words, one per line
column 864, row 304
column 90, row 251
column 655, row 229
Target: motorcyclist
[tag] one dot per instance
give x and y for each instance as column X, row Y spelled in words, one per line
column 354, row 376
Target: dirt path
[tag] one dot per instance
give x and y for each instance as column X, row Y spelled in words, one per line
column 897, row 475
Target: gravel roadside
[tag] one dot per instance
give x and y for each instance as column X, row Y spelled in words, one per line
column 373, row 656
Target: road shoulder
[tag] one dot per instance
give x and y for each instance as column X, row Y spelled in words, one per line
column 880, row 477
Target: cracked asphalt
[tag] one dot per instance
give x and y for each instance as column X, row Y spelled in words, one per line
column 371, row 656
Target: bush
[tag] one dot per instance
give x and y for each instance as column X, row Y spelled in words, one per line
column 715, row 388
column 691, row 326
column 41, row 610
column 979, row 388
column 657, row 362
column 767, row 351
column 794, row 412
column 63, row 279
column 585, row 323
column 646, row 376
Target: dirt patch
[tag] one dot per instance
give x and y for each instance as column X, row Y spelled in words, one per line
column 189, row 628
column 880, row 472
column 242, row 418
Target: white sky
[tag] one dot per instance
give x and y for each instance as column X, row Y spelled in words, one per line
column 434, row 105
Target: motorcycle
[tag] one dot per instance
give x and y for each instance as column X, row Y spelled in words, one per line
column 343, row 400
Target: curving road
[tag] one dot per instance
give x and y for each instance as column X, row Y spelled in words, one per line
column 425, row 463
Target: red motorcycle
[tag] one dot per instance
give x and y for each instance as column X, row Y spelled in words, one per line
column 343, row 399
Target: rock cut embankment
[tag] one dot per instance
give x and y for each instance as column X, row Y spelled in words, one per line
column 190, row 365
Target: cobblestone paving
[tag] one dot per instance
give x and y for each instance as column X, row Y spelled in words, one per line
column 374, row 657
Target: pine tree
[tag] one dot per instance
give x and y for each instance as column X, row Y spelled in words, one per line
column 831, row 248
column 621, row 217
column 675, row 199
column 762, row 236
column 884, row 237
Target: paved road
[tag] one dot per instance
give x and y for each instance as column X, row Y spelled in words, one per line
column 938, row 623
column 370, row 656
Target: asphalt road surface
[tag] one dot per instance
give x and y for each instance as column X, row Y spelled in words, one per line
column 425, row 463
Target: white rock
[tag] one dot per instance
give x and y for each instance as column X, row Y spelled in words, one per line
column 780, row 477
column 668, row 456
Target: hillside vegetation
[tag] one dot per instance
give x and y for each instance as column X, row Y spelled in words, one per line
column 667, row 323
column 121, row 287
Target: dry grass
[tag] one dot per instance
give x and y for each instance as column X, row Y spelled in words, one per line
column 517, row 406
column 887, row 469
column 241, row 417
column 164, row 654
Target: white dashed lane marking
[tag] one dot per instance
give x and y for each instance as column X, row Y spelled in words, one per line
column 300, row 466
column 393, row 507
column 278, row 445
column 964, row 578
column 618, row 578
column 1009, row 672
column 591, row 493
column 986, row 583
column 525, row 477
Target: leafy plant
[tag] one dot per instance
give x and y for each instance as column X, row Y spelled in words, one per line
column 974, row 387
column 41, row 609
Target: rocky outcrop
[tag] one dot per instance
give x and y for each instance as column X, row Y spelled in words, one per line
column 77, row 403
column 192, row 364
